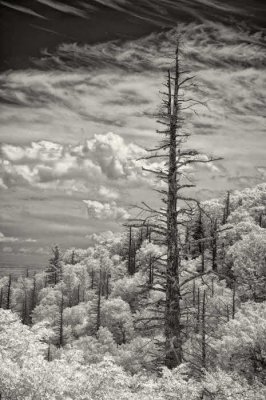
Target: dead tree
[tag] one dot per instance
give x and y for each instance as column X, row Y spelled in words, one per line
column 98, row 310
column 1, row 297
column 8, row 295
column 33, row 299
column 198, row 237
column 226, row 212
column 234, row 301
column 25, row 317
column 131, row 262
column 73, row 259
column 203, row 331
column 214, row 235
column 61, row 323
column 49, row 352
column 169, row 221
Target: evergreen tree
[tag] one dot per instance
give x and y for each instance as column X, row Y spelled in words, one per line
column 54, row 270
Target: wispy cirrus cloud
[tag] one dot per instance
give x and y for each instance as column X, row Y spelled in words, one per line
column 165, row 12
column 65, row 8
column 22, row 9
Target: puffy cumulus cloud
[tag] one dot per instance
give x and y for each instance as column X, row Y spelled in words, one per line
column 102, row 211
column 102, row 237
column 43, row 151
column 52, row 165
column 115, row 158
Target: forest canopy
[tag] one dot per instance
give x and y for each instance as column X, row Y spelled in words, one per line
column 96, row 330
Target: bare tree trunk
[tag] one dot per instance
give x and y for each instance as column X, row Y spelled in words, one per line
column 25, row 310
column 8, row 298
column 73, row 261
column 61, row 323
column 227, row 313
column 1, row 298
column 212, row 287
column 98, row 313
column 214, row 246
column 198, row 312
column 150, row 272
column 226, row 208
column 203, row 327
column 92, row 279
column 194, row 294
column 201, row 242
column 173, row 345
column 107, row 285
column 49, row 352
column 234, row 301
column 131, row 254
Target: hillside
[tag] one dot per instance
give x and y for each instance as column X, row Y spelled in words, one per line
column 92, row 325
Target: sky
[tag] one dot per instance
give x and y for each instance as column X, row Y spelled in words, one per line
column 80, row 84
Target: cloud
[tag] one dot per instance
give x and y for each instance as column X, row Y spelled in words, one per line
column 262, row 171
column 164, row 12
column 65, row 8
column 77, row 93
column 30, row 250
column 29, row 240
column 7, row 239
column 206, row 43
column 115, row 158
column 7, row 249
column 102, row 211
column 102, row 237
column 22, row 9
column 2, row 185
column 108, row 193
column 47, row 164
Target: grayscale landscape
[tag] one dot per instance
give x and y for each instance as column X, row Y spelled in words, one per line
column 133, row 200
